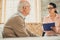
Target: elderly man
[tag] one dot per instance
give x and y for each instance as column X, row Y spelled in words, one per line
column 15, row 26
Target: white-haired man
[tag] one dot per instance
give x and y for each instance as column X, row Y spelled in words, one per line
column 15, row 26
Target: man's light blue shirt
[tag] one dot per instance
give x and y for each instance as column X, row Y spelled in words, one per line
column 20, row 14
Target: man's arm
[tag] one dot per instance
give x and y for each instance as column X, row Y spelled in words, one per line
column 8, row 32
column 31, row 34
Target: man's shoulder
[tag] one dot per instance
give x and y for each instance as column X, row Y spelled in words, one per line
column 14, row 17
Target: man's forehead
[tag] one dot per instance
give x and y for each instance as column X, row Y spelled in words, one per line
column 27, row 5
column 24, row 3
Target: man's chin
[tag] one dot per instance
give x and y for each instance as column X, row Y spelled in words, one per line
column 26, row 14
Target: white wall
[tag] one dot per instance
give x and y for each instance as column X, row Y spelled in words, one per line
column 11, row 8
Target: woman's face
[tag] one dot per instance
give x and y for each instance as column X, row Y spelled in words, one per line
column 51, row 9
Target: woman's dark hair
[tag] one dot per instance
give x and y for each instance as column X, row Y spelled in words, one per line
column 54, row 6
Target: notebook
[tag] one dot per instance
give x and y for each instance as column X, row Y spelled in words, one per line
column 47, row 26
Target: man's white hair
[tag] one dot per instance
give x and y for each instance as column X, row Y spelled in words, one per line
column 22, row 4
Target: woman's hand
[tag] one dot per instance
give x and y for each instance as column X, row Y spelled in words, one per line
column 52, row 32
column 54, row 29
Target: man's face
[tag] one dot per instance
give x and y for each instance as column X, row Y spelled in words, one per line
column 26, row 9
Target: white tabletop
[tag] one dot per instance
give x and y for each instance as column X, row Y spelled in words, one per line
column 34, row 38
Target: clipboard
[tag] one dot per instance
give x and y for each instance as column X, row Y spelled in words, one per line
column 47, row 26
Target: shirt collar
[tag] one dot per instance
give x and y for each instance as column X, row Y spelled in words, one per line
column 20, row 14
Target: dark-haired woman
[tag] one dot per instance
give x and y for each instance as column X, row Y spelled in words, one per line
column 52, row 17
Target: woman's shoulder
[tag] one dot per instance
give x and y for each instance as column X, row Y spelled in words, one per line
column 58, row 15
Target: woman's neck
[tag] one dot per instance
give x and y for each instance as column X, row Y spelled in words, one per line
column 52, row 16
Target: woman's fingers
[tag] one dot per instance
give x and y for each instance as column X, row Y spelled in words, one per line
column 53, row 28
